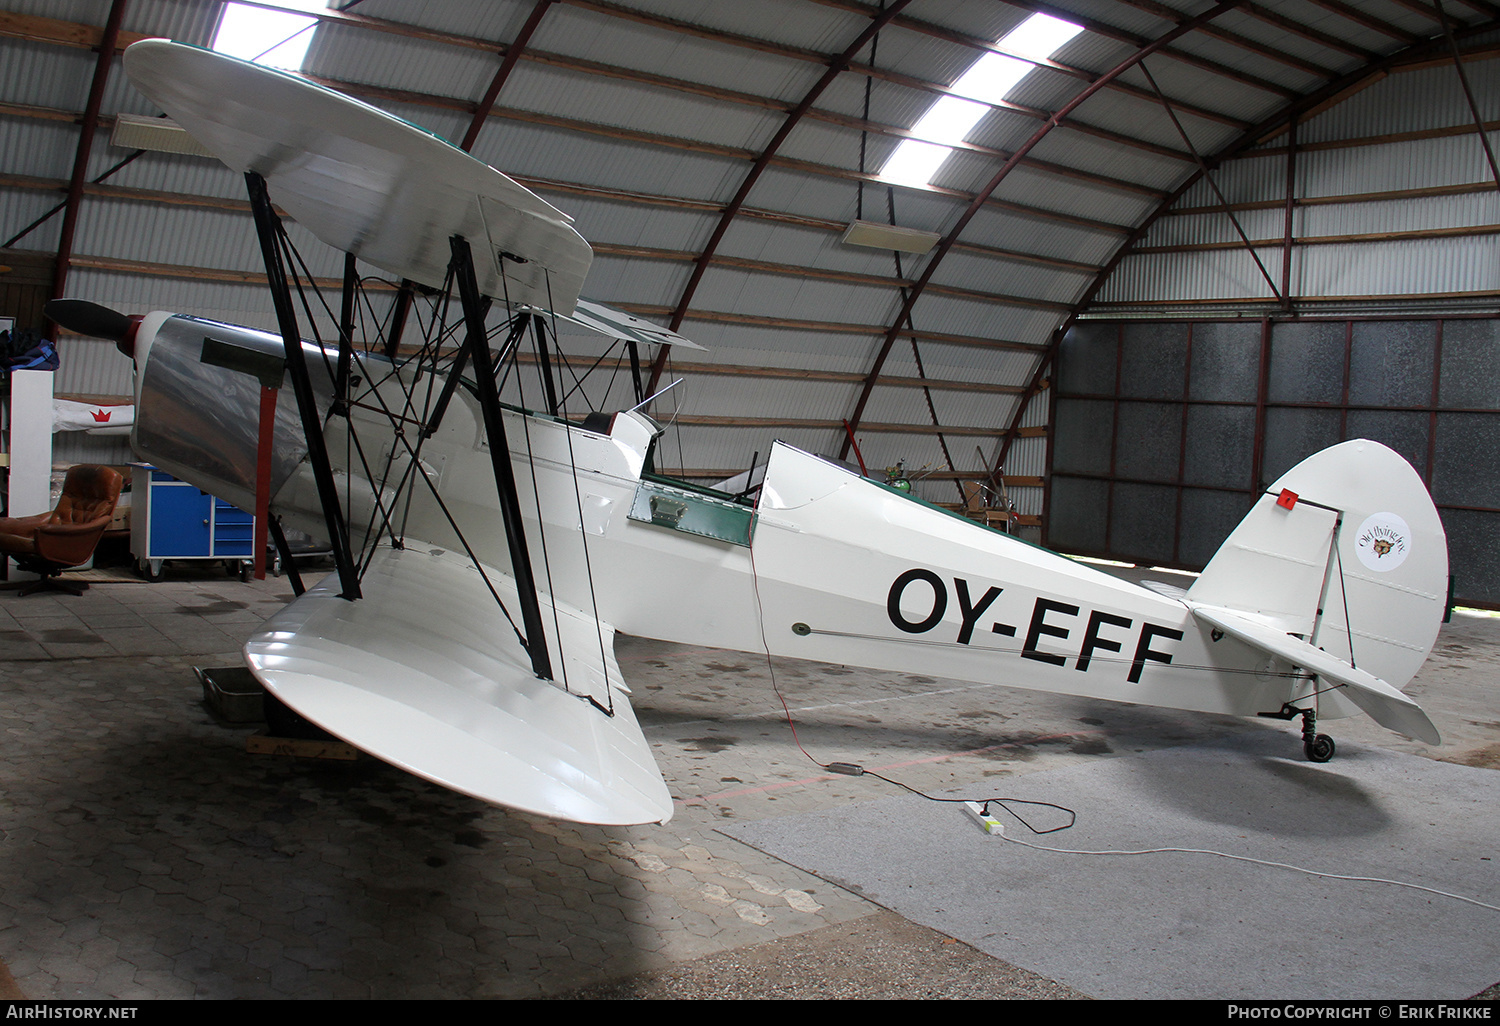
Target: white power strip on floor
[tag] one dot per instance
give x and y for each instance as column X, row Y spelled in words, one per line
column 989, row 824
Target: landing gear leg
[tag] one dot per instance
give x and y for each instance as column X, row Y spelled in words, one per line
column 1317, row 747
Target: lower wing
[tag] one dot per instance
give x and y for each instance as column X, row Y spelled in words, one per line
column 424, row 673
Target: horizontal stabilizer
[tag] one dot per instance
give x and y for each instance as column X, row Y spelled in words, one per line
column 1384, row 704
column 424, row 673
column 606, row 320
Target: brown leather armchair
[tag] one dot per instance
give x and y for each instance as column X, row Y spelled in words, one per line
column 49, row 543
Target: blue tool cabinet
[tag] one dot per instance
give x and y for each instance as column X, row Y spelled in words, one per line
column 171, row 519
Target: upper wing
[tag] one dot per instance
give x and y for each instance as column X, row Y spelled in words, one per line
column 424, row 673
column 365, row 181
column 1385, row 705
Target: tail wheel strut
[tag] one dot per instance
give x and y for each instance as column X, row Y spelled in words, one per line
column 1317, row 747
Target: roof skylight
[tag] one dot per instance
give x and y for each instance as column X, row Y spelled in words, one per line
column 275, row 38
column 988, row 80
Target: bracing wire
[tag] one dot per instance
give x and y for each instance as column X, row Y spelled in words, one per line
column 583, row 533
column 384, row 524
column 431, row 349
column 1344, row 598
column 414, row 408
column 408, row 408
column 577, row 381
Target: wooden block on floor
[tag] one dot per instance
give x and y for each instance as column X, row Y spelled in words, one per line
column 260, row 744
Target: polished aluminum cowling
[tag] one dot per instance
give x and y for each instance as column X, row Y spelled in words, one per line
column 199, row 419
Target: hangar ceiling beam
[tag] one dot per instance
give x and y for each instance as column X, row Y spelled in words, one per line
column 939, row 89
column 869, row 10
column 1266, row 129
column 402, row 307
column 1368, row 20
column 1332, row 240
column 833, row 117
column 801, row 220
column 1425, row 9
column 237, row 276
column 1484, row 7
column 1422, row 192
column 735, row 96
column 354, row 20
column 1309, row 33
column 825, row 274
column 809, row 424
column 107, row 42
column 1276, row 122
column 512, row 54
column 168, row 198
column 63, row 33
column 38, row 29
column 1288, row 227
column 739, row 370
column 1234, row 38
column 1463, row 78
column 814, row 56
column 1121, row 35
column 836, row 67
column 1373, row 140
column 1224, row 200
column 974, row 207
column 713, row 149
column 832, row 327
column 927, row 28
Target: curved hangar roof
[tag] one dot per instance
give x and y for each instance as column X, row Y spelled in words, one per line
column 732, row 164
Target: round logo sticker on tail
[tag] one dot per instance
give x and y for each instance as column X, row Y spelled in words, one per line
column 1383, row 541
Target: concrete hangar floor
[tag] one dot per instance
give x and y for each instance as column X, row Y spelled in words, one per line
column 145, row 854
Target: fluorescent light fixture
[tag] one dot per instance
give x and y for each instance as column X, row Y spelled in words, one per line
column 889, row 236
column 159, row 135
column 989, row 80
column 277, row 39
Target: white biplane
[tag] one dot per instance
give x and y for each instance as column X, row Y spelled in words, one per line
column 467, row 635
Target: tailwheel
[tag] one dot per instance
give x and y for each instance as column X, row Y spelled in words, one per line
column 1320, row 748
column 1317, row 747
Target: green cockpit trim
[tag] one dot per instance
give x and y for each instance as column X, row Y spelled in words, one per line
column 678, row 506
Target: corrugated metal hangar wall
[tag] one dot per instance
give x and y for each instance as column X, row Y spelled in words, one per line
column 1168, row 430
column 713, row 153
column 1167, row 427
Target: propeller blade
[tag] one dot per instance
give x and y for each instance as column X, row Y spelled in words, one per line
column 89, row 318
column 97, row 321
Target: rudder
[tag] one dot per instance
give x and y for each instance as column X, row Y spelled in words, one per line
column 1381, row 591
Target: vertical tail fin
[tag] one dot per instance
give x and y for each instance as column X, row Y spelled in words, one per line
column 1345, row 550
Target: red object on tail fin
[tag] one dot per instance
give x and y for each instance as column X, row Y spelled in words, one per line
column 1287, row 499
